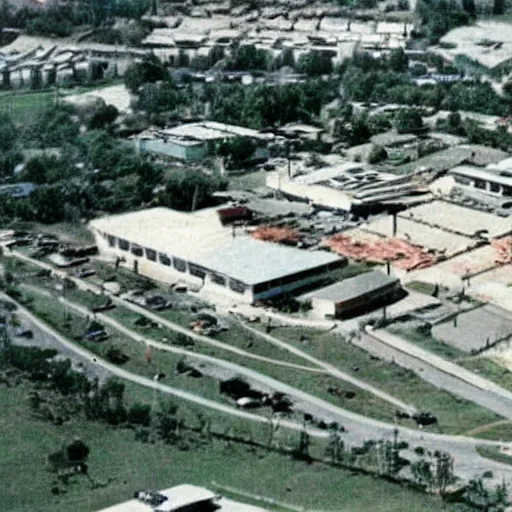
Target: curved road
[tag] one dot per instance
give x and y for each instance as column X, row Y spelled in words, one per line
column 329, row 368
column 467, row 462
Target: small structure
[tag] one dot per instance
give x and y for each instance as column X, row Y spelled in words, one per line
column 194, row 141
column 359, row 293
column 18, row 190
column 491, row 180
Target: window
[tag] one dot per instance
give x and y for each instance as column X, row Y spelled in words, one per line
column 111, row 240
column 507, row 191
column 237, row 286
column 180, row 265
column 137, row 250
column 124, row 245
column 217, row 279
column 150, row 254
column 164, row 259
column 480, row 184
column 196, row 270
column 495, row 187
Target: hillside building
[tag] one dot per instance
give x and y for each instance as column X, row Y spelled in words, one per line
column 196, row 248
column 194, row 141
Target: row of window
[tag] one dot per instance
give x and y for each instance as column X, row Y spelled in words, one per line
column 178, row 264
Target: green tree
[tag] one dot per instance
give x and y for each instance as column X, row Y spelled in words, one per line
column 77, row 451
column 422, row 473
column 335, row 448
column 139, row 414
column 102, row 116
column 167, row 424
column 315, row 63
column 301, row 448
column 398, row 60
column 8, row 133
column 247, row 57
column 148, row 71
column 377, row 154
column 409, row 121
column 190, row 190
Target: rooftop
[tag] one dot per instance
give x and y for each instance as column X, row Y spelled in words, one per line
column 352, row 287
column 200, row 238
column 18, row 189
column 483, row 174
column 182, row 496
column 210, row 130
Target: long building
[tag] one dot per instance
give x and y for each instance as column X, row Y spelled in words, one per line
column 171, row 246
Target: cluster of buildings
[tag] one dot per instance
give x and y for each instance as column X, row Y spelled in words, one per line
column 30, row 62
column 336, row 36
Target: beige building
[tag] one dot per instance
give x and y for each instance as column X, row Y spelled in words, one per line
column 171, row 246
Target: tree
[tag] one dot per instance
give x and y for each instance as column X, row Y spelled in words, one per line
column 409, row 121
column 335, row 448
column 443, row 471
column 148, row 71
column 102, row 116
column 77, row 451
column 237, row 149
column 315, row 63
column 377, row 154
column 167, row 424
column 301, row 449
column 422, row 473
column 8, row 133
column 247, row 57
column 190, row 190
column 139, row 414
column 398, row 60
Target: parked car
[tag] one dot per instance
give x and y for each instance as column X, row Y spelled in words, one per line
column 24, row 333
column 152, row 498
column 99, row 335
column 85, row 272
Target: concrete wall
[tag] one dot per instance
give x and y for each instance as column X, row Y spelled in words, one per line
column 172, row 149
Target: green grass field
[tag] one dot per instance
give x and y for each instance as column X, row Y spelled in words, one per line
column 53, row 312
column 494, row 453
column 24, row 106
column 427, row 342
column 131, row 465
column 454, row 414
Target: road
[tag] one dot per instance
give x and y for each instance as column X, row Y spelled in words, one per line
column 467, row 463
column 436, row 370
column 329, row 368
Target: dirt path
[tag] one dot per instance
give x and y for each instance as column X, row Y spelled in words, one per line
column 485, row 428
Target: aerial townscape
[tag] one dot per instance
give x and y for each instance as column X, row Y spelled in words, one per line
column 256, row 255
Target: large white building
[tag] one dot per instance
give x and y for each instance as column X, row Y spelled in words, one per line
column 172, row 246
column 182, row 498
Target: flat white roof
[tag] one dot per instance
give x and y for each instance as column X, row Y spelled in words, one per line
column 182, row 496
column 487, row 175
column 458, row 218
column 201, row 239
column 210, row 130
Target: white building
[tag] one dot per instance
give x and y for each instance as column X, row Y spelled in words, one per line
column 171, row 246
column 183, row 498
column 194, row 141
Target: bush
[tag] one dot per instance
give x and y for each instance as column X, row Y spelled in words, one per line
column 139, row 414
column 377, row 154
